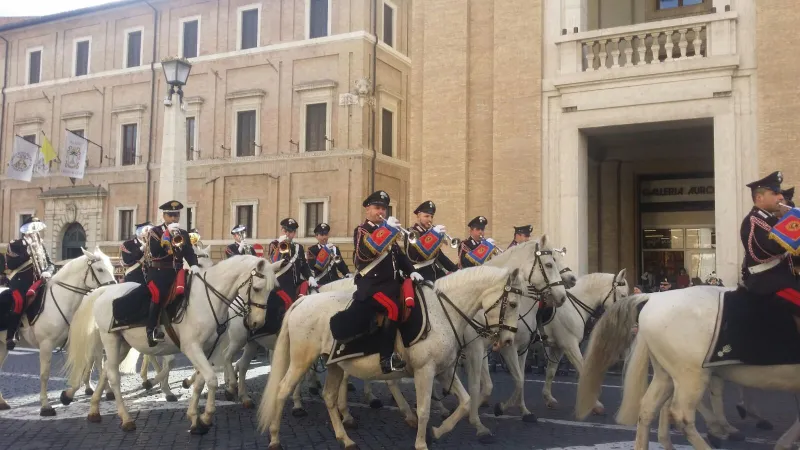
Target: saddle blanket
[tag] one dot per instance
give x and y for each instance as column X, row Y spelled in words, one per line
column 131, row 310
column 360, row 320
column 753, row 330
column 278, row 303
column 34, row 303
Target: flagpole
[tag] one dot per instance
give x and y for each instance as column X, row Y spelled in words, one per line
column 34, row 143
column 87, row 140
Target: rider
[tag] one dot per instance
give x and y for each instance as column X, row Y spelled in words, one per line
column 20, row 261
column 521, row 234
column 167, row 260
column 379, row 262
column 295, row 267
column 132, row 253
column 320, row 257
column 467, row 255
column 426, row 253
column 239, row 247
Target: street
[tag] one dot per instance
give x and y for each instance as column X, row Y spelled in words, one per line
column 164, row 425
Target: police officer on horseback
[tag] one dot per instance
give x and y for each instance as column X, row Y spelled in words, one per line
column 521, row 234
column 28, row 262
column 132, row 252
column 426, row 251
column 239, row 246
column 169, row 246
column 476, row 250
column 325, row 259
column 294, row 269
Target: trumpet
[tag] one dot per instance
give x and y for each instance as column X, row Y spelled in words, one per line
column 337, row 259
column 454, row 242
column 194, row 238
column 176, row 238
column 411, row 235
column 284, row 248
column 784, row 205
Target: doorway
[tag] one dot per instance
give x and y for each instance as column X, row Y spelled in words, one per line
column 74, row 241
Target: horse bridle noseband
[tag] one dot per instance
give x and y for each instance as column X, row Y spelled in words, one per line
column 533, row 291
column 76, row 289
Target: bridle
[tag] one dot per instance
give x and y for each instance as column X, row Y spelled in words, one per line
column 77, row 289
column 533, row 291
column 596, row 312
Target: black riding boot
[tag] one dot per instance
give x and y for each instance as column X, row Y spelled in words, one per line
column 11, row 329
column 390, row 361
column 154, row 335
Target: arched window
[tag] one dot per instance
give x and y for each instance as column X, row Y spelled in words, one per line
column 74, row 239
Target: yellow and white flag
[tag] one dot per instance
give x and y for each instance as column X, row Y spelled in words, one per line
column 23, row 159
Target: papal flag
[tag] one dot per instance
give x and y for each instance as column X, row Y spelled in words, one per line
column 73, row 155
column 23, row 158
column 41, row 168
column 47, row 150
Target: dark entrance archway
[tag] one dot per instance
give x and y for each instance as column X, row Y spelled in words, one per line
column 74, row 240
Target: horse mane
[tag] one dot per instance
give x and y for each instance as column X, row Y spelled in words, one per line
column 486, row 275
column 593, row 281
column 222, row 268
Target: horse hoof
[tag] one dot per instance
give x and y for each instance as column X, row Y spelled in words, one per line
column 599, row 411
column 199, row 429
column 742, row 412
column 487, row 439
column 94, row 418
column 65, row 399
column 129, row 426
column 764, row 425
column 351, row 447
column 47, row 411
column 552, row 405
column 529, row 418
column 299, row 412
column 429, row 435
column 350, row 424
column 4, row 406
column 376, row 403
column 147, row 385
column 110, row 396
column 229, row 396
column 484, row 404
column 351, row 387
column 736, row 436
column 186, row 384
column 88, row 391
column 172, row 398
column 714, row 441
column 275, row 447
column 498, row 411
column 248, row 404
column 313, row 390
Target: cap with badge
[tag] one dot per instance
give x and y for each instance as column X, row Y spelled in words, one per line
column 478, row 223
column 377, row 198
column 322, row 228
column 289, row 224
column 427, row 207
column 238, row 229
column 171, row 206
column 524, row 230
column 772, row 182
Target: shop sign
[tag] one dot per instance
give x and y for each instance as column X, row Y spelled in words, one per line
column 681, row 190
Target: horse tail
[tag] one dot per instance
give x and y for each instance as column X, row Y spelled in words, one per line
column 269, row 409
column 84, row 337
column 611, row 337
column 128, row 365
column 634, row 382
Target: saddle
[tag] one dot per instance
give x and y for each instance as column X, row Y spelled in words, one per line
column 34, row 301
column 754, row 330
column 354, row 328
column 131, row 310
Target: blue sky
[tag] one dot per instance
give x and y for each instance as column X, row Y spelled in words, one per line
column 44, row 7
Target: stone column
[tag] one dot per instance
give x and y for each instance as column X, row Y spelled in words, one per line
column 574, row 208
column 172, row 175
column 727, row 188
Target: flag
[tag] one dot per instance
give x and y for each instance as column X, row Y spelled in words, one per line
column 41, row 168
column 23, row 158
column 73, row 162
column 47, row 151
column 787, row 231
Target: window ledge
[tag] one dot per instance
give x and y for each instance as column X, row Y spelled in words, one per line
column 321, row 84
column 77, row 115
column 29, row 121
column 129, row 109
column 247, row 93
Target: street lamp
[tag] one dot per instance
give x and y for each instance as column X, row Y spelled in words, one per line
column 176, row 72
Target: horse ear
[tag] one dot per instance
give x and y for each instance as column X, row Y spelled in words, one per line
column 207, row 250
column 88, row 254
column 621, row 275
column 515, row 273
column 543, row 241
column 261, row 264
column 276, row 266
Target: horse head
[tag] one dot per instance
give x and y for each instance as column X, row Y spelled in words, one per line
column 99, row 271
column 544, row 276
column 255, row 286
column 567, row 275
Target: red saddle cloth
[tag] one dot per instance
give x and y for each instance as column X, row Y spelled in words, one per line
column 302, row 290
column 179, row 286
column 287, row 301
column 31, row 294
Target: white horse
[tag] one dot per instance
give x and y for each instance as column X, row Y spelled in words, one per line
column 451, row 303
column 212, row 293
column 63, row 295
column 675, row 330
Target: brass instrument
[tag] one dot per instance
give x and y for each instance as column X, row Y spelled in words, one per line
column 284, row 248
column 410, row 235
column 784, row 205
column 497, row 250
column 246, row 247
column 454, row 242
column 176, row 238
column 337, row 259
column 194, row 238
column 30, row 234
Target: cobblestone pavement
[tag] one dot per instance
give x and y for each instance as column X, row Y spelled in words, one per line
column 164, row 425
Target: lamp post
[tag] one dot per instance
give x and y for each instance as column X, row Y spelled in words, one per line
column 172, row 173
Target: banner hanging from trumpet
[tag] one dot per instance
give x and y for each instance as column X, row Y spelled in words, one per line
column 787, row 231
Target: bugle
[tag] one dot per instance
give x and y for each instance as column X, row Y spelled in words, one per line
column 176, row 238
column 411, row 235
column 454, row 242
column 284, row 247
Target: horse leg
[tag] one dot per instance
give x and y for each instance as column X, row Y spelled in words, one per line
column 657, row 393
column 102, row 384
column 573, row 352
column 163, row 379
column 486, row 385
column 313, row 382
column 188, row 383
column 748, row 407
column 663, row 426
column 512, row 360
column 116, row 350
column 3, row 354
column 87, row 380
column 143, row 370
column 553, row 357
column 198, row 358
column 68, row 395
column 45, row 357
column 527, row 416
column 347, row 419
column 292, row 377
column 463, row 404
column 715, row 391
column 330, row 393
column 689, row 389
column 405, row 408
column 475, row 363
column 423, row 383
column 372, row 401
column 788, row 438
column 243, row 365
column 148, row 384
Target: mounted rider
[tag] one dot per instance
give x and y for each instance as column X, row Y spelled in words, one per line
column 426, row 252
column 169, row 246
column 325, row 259
column 381, row 267
column 133, row 256
column 521, row 234
column 476, row 250
column 239, row 246
column 294, row 269
column 28, row 262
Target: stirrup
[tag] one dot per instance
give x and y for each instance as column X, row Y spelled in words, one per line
column 10, row 344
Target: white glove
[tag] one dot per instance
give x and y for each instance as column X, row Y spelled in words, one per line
column 142, row 247
column 416, row 276
column 282, row 238
column 241, row 246
column 349, row 275
column 312, row 282
column 329, row 246
column 194, row 269
column 491, row 241
column 174, row 226
column 393, row 222
column 440, row 229
column 46, row 275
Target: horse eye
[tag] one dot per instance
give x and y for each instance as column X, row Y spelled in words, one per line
column 99, row 270
column 513, row 304
column 255, row 289
column 549, row 265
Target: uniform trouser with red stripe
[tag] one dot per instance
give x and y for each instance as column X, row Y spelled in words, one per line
column 384, row 299
column 159, row 283
column 791, row 296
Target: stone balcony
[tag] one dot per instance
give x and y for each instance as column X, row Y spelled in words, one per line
column 648, row 49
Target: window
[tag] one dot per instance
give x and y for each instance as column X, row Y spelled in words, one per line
column 314, row 211
column 389, row 211
column 133, row 49
column 317, row 18
column 248, row 27
column 34, row 66
column 129, row 144
column 668, row 4
column 245, row 133
column 387, row 132
column 190, row 217
column 671, row 9
column 388, row 23
column 190, row 37
column 81, row 57
column 316, row 126
column 190, row 138
column 23, row 218
column 244, row 216
column 30, row 138
column 125, row 224
column 78, row 133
